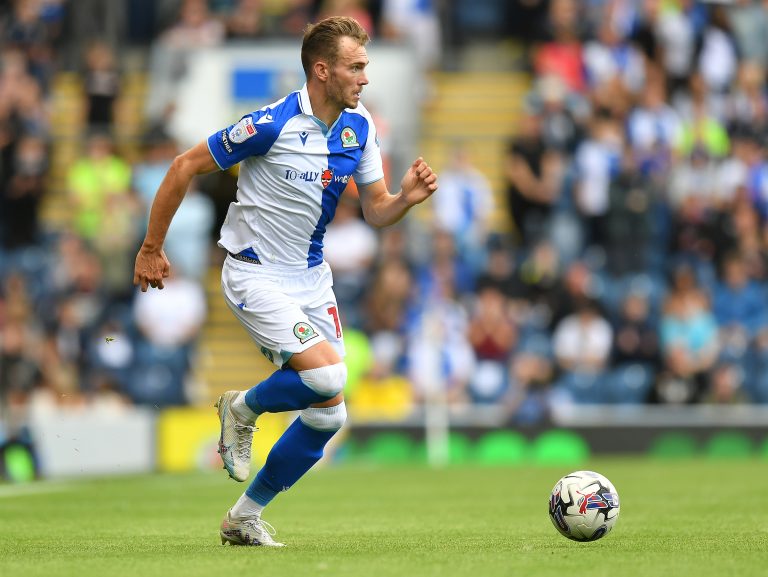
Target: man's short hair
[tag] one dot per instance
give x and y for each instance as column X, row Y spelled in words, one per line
column 321, row 40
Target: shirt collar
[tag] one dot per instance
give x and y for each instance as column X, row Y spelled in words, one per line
column 304, row 103
column 306, row 107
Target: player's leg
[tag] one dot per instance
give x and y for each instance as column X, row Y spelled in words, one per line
column 300, row 446
column 303, row 443
column 312, row 376
column 269, row 308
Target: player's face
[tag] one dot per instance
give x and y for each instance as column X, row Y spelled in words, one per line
column 348, row 76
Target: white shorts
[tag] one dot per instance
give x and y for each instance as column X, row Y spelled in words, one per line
column 285, row 311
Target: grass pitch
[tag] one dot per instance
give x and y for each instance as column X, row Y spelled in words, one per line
column 679, row 519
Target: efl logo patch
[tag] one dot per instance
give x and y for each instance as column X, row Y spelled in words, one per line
column 326, row 177
column 242, row 131
column 348, row 138
column 304, row 332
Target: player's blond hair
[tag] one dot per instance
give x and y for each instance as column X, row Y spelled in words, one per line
column 321, row 40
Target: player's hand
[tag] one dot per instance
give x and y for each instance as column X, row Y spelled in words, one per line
column 151, row 268
column 419, row 182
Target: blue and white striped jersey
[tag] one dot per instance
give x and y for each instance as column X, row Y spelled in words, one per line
column 293, row 170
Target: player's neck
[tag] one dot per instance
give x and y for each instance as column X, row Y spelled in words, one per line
column 322, row 108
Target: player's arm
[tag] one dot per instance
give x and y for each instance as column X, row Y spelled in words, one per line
column 380, row 208
column 152, row 266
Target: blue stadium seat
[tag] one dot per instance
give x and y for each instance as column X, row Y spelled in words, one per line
column 628, row 384
column 582, row 388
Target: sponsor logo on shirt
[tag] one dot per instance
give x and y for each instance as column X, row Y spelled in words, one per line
column 242, row 131
column 348, row 138
column 307, row 175
column 326, row 177
column 225, row 141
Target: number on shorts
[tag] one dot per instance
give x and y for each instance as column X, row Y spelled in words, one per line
column 335, row 314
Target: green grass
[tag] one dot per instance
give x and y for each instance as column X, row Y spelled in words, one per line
column 678, row 518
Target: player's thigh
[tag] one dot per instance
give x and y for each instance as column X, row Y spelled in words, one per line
column 274, row 320
column 320, row 354
column 324, row 314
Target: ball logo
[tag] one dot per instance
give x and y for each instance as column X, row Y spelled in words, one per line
column 326, row 177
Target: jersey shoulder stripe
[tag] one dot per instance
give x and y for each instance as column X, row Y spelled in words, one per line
column 254, row 134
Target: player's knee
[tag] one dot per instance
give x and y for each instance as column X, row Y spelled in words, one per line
column 325, row 418
column 327, row 381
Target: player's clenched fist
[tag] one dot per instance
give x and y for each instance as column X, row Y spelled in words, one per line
column 419, row 182
column 150, row 270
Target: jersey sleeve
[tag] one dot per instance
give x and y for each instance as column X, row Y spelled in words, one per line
column 252, row 135
column 370, row 168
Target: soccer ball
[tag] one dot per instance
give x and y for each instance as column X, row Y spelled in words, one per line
column 584, row 506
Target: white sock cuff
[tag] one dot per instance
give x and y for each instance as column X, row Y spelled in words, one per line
column 242, row 410
column 246, row 508
column 325, row 418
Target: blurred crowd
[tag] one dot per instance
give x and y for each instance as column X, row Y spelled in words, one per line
column 633, row 269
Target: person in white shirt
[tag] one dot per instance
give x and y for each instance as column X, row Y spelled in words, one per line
column 296, row 157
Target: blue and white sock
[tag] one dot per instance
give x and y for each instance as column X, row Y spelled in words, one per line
column 296, row 451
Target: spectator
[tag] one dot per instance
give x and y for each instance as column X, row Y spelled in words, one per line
column 387, row 302
column 96, row 181
column 747, row 104
column 440, row 359
column 356, row 9
column 652, row 129
column 415, row 22
column 464, row 207
column 677, row 38
column 195, row 28
column 169, row 323
column 749, row 22
column 102, row 86
column 628, row 229
column 561, row 114
column 492, row 335
column 597, row 160
column 23, row 193
column 738, row 302
column 582, row 340
column 534, row 179
column 611, row 57
column 635, row 333
column 560, row 54
column 717, row 52
column 246, row 20
column 105, row 210
column 689, row 341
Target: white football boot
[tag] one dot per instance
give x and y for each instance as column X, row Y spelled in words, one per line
column 253, row 531
column 235, row 440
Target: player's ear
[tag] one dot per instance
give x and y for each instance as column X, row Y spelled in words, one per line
column 321, row 70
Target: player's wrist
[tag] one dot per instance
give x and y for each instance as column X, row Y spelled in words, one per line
column 403, row 201
column 149, row 247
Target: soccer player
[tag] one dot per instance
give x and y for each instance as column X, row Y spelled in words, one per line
column 297, row 156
